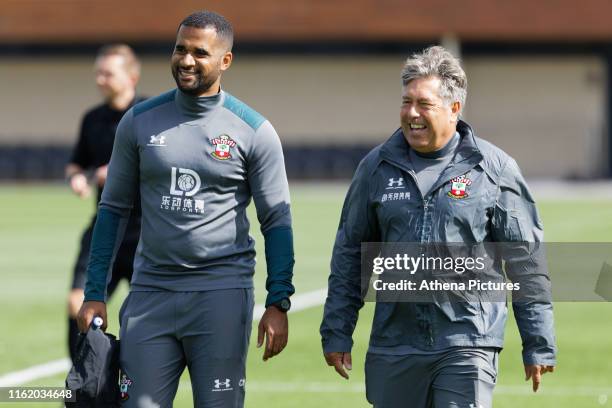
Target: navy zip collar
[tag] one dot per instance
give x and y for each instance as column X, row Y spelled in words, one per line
column 396, row 151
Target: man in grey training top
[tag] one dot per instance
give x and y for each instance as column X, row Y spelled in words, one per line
column 435, row 182
column 198, row 155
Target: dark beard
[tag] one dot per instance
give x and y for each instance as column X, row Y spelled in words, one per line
column 201, row 85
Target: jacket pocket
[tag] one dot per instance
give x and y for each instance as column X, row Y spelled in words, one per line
column 464, row 313
column 508, row 224
column 385, row 329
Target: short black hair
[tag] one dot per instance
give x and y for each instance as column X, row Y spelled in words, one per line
column 205, row 18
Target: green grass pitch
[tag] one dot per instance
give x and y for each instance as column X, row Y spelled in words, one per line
column 39, row 233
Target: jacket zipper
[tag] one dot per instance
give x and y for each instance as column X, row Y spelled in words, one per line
column 426, row 323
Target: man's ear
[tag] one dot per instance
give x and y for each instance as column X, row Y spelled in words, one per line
column 455, row 110
column 226, row 61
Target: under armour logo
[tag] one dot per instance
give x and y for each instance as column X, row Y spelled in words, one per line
column 475, row 406
column 157, row 140
column 225, row 384
column 393, row 183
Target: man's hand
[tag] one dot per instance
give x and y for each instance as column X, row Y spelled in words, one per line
column 100, row 175
column 275, row 326
column 88, row 311
column 340, row 361
column 75, row 300
column 78, row 184
column 535, row 372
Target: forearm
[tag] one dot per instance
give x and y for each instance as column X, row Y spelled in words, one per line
column 344, row 300
column 340, row 316
column 279, row 261
column 107, row 237
column 345, row 294
column 532, row 304
column 536, row 326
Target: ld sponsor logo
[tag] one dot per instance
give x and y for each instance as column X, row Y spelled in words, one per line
column 188, row 182
column 184, row 184
column 395, row 196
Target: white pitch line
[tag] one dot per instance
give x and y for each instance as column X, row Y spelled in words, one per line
column 298, row 302
column 557, row 391
column 35, row 372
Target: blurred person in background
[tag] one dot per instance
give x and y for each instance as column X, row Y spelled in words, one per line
column 199, row 156
column 433, row 181
column 117, row 71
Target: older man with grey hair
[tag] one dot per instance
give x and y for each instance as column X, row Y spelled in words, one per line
column 434, row 181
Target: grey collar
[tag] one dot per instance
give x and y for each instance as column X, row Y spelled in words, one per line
column 198, row 106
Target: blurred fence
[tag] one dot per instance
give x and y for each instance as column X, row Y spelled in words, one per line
column 48, row 162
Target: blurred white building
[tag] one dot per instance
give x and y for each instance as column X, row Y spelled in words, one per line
column 327, row 75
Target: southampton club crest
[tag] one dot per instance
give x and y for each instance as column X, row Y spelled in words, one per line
column 124, row 386
column 459, row 187
column 223, row 145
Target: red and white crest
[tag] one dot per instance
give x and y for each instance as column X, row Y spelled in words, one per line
column 459, row 187
column 223, row 145
column 124, row 386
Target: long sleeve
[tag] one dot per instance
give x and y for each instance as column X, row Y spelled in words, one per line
column 516, row 225
column 270, row 191
column 344, row 296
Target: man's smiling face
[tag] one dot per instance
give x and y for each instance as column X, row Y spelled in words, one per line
column 200, row 56
column 428, row 121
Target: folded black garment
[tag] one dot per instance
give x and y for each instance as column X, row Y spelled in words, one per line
column 94, row 377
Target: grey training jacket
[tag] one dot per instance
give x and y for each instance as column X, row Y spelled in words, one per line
column 197, row 161
column 499, row 208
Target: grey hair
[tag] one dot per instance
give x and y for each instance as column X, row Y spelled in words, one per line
column 436, row 61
